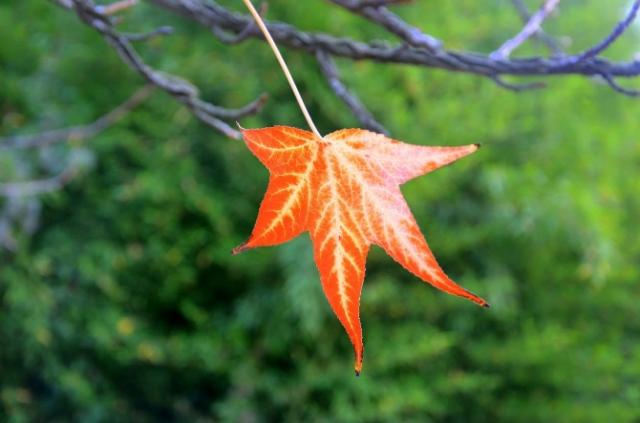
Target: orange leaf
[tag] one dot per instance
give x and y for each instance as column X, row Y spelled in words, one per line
column 345, row 190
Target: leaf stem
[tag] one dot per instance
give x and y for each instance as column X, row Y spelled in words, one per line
column 283, row 65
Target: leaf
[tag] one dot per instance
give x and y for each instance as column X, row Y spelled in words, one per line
column 345, row 190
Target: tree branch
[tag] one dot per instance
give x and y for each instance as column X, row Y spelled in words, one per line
column 39, row 186
column 540, row 35
column 76, row 133
column 531, row 27
column 381, row 3
column 619, row 29
column 393, row 23
column 212, row 15
column 118, row 6
column 416, row 48
column 619, row 88
column 180, row 89
column 518, row 87
column 163, row 30
column 330, row 72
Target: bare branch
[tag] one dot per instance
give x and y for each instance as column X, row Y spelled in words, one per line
column 517, row 87
column 37, row 187
column 78, row 133
column 180, row 89
column 75, row 133
column 330, row 71
column 540, row 35
column 231, row 114
column 211, row 15
column 163, row 30
column 620, row 29
column 381, row 3
column 532, row 27
column 118, row 6
column 393, row 23
column 416, row 48
column 619, row 88
column 244, row 34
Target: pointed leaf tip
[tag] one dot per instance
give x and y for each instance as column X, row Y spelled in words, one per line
column 478, row 300
column 358, row 364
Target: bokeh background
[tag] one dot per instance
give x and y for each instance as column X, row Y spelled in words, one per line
column 124, row 303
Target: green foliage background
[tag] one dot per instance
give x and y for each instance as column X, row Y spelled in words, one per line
column 126, row 305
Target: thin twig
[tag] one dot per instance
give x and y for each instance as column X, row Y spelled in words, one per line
column 517, row 87
column 283, row 65
column 619, row 29
column 330, row 71
column 113, row 8
column 232, row 27
column 145, row 36
column 394, row 24
column 381, row 3
column 182, row 90
column 212, row 14
column 619, row 88
column 242, row 35
column 532, row 26
column 75, row 133
column 78, row 133
column 39, row 186
column 540, row 35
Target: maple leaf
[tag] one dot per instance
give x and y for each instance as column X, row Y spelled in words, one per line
column 344, row 188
